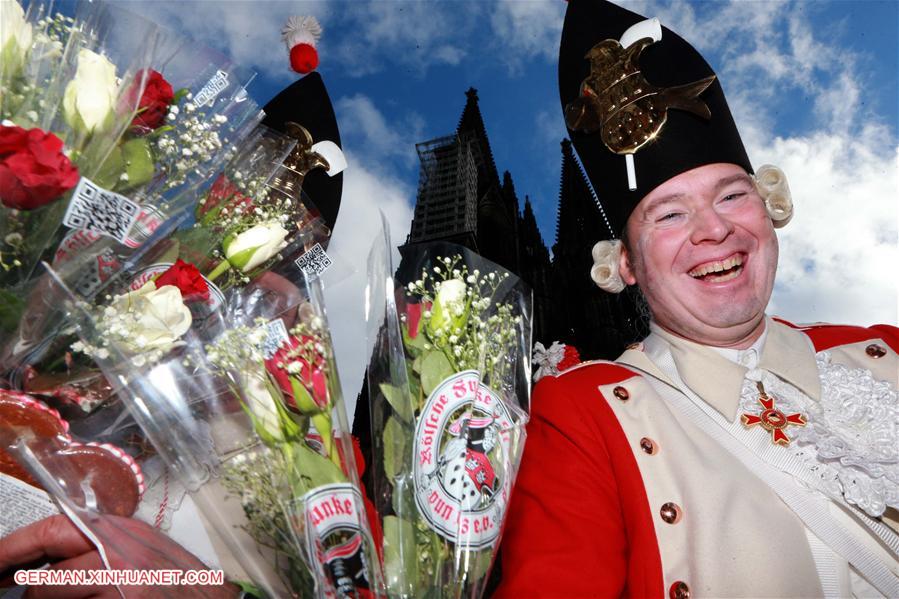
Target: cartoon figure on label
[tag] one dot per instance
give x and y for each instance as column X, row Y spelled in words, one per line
column 346, row 568
column 464, row 466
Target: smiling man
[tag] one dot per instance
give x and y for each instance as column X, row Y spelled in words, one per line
column 729, row 453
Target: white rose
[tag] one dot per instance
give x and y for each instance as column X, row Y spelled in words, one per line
column 158, row 317
column 91, row 95
column 450, row 310
column 15, row 36
column 259, row 399
column 245, row 251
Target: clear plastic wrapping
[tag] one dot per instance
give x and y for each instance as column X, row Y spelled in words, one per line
column 448, row 381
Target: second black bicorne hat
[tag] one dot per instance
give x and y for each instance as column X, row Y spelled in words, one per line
column 307, row 103
column 656, row 100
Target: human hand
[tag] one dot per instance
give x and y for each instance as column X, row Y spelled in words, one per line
column 130, row 545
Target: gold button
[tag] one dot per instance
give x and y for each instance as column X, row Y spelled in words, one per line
column 671, row 513
column 649, row 446
column 621, row 393
column 875, row 351
column 679, row 590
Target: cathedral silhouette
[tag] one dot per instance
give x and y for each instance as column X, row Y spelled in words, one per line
column 462, row 200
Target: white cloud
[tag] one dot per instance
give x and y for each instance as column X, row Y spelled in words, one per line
column 365, row 130
column 248, row 32
column 527, row 29
column 415, row 35
column 839, row 253
column 365, row 192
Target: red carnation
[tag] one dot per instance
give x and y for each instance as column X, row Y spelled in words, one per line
column 571, row 358
column 33, row 169
column 311, row 376
column 187, row 279
column 154, row 102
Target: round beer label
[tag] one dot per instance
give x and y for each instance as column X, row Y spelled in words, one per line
column 462, row 441
column 335, row 538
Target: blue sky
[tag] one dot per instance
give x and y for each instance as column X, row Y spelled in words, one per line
column 813, row 86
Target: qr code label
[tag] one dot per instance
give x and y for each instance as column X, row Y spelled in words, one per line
column 102, row 211
column 275, row 336
column 315, row 261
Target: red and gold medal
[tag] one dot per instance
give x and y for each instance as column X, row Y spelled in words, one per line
column 772, row 419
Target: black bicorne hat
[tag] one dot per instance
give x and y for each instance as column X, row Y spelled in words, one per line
column 656, row 100
column 307, row 103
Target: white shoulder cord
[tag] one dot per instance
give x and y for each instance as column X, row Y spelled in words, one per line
column 815, row 516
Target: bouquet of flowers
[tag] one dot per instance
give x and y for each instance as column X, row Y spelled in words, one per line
column 97, row 147
column 214, row 342
column 245, row 410
column 448, row 380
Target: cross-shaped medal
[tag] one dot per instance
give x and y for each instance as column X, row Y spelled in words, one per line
column 772, row 419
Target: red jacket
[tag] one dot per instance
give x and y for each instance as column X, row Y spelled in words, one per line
column 579, row 522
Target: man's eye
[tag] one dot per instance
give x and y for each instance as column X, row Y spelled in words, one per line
column 668, row 216
column 733, row 196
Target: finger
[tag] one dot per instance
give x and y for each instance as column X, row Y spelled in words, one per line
column 85, row 561
column 54, row 537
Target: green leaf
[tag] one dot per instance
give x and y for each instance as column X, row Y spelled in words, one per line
column 400, row 556
column 434, row 369
column 111, row 170
column 315, row 468
column 180, row 94
column 139, row 164
column 398, row 400
column 303, row 399
column 396, row 443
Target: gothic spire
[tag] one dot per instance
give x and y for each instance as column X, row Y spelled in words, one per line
column 471, row 125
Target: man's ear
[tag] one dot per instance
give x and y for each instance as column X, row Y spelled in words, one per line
column 625, row 270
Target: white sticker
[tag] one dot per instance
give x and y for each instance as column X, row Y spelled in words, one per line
column 275, row 336
column 314, row 261
column 462, row 446
column 102, row 211
column 213, row 87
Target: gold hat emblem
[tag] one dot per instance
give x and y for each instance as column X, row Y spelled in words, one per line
column 617, row 99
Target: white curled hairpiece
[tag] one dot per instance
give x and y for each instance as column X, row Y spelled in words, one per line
column 604, row 273
column 772, row 186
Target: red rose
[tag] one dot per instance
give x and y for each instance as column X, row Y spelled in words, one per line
column 310, row 376
column 154, row 102
column 413, row 319
column 33, row 169
column 187, row 279
column 224, row 194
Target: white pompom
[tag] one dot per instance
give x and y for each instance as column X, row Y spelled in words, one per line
column 301, row 30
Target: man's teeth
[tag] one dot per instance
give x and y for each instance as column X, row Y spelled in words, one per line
column 713, row 267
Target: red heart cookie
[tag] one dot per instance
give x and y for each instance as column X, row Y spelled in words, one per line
column 18, row 411
column 99, row 476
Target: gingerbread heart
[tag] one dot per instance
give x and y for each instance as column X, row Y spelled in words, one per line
column 95, row 475
column 99, row 476
column 19, row 411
